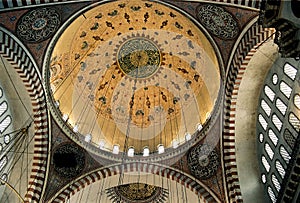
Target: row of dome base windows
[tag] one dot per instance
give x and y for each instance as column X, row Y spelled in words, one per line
column 130, row 151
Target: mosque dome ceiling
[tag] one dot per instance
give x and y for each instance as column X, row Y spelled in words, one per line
column 109, row 80
column 133, row 72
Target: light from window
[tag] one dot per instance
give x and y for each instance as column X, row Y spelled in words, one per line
column 6, row 139
column 271, row 194
column 285, row 89
column 3, row 108
column 280, row 168
column 269, row 151
column 294, row 121
column 297, row 101
column 290, row 71
column 263, row 178
column 261, row 137
column 270, row 93
column 4, row 177
column 266, row 107
column 5, row 123
column 281, row 106
column 262, row 121
column 275, row 182
column 273, row 137
column 3, row 162
column 285, row 155
column 265, row 163
column 277, row 122
column 275, row 79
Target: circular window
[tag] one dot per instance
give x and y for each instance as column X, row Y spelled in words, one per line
column 261, row 137
column 263, row 178
column 275, row 79
column 6, row 139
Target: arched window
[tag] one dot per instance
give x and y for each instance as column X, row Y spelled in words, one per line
column 262, row 121
column 270, row 93
column 5, row 123
column 271, row 194
column 265, row 163
column 297, row 100
column 269, row 151
column 290, row 71
column 285, row 89
column 281, row 106
column 294, row 121
column 273, row 137
column 280, row 168
column 265, row 107
column 3, row 162
column 275, row 182
column 3, row 108
column 277, row 122
column 285, row 155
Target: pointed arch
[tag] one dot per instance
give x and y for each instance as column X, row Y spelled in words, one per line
column 21, row 60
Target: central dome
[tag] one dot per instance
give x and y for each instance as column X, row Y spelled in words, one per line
column 133, row 72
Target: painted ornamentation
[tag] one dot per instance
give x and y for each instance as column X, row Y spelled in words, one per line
column 218, row 21
column 38, row 25
column 137, row 193
column 203, row 161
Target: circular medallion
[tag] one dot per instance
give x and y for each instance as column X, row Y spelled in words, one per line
column 203, row 161
column 218, row 21
column 68, row 160
column 38, row 25
column 139, row 57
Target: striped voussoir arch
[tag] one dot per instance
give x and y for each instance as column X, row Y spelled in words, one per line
column 245, row 50
column 15, row 54
column 188, row 182
column 247, row 3
column 21, row 3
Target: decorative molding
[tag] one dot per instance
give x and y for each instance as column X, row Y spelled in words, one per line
column 8, row 4
column 247, row 3
column 137, row 193
column 244, row 51
column 18, row 3
column 201, row 190
column 12, row 50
